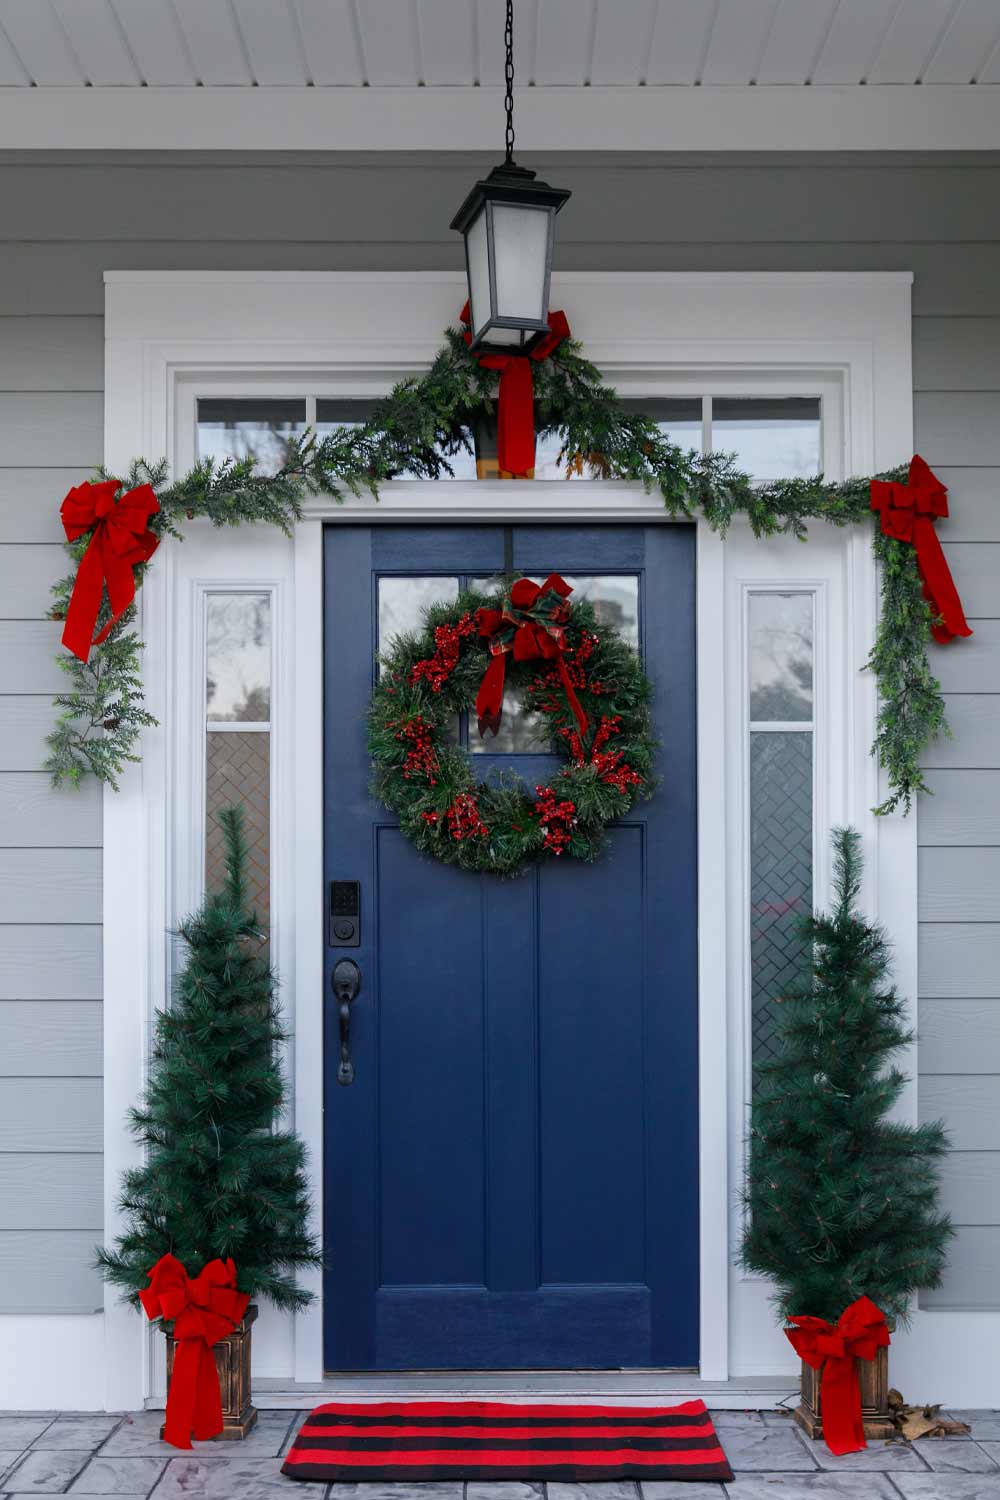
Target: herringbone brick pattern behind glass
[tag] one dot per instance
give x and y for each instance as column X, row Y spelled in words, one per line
column 239, row 774
column 781, row 852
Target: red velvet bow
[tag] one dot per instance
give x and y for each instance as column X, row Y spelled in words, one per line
column 531, row 625
column 203, row 1310
column 515, row 398
column 859, row 1333
column 119, row 540
column 907, row 513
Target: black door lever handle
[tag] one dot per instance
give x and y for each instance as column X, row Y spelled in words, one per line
column 346, row 986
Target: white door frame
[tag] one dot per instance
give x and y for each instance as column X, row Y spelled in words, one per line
column 357, row 330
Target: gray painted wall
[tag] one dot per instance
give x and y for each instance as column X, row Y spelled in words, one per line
column 65, row 221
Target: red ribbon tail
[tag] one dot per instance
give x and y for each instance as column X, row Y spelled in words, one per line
column 183, row 1393
column 489, row 699
column 84, row 603
column 516, row 418
column 840, row 1399
column 939, row 586
column 583, row 723
column 207, row 1421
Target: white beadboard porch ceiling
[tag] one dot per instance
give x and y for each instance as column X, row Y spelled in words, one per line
column 441, row 43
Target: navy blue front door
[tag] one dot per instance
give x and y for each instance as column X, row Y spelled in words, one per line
column 511, row 1180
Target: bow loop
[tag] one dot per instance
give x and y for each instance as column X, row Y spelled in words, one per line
column 203, row 1310
column 907, row 513
column 120, row 539
column 859, row 1333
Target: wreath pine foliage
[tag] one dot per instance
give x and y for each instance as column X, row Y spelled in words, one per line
column 415, row 430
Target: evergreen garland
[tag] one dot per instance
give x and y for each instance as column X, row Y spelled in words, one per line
column 219, row 1179
column 841, row 1201
column 429, row 678
column 415, row 430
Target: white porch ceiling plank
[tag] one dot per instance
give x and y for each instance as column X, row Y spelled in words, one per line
column 565, row 40
column 965, row 48
column 680, row 37
column 622, row 40
column 797, row 33
column 389, row 40
column 155, row 41
column 489, row 30
column 96, row 40
column 330, row 38
column 270, row 35
column 215, row 46
column 12, row 71
column 853, row 40
column 739, row 37
column 41, row 44
column 911, row 40
column 447, row 40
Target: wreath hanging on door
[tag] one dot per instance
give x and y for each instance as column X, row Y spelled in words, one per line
column 526, row 644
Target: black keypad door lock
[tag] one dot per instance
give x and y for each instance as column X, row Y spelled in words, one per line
column 345, row 913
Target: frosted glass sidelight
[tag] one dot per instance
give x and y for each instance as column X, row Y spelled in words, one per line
column 238, row 658
column 519, row 244
column 781, row 658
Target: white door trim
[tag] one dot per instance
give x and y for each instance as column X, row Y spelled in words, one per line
column 353, row 331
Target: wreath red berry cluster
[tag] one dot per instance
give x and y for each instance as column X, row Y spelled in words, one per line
column 580, row 680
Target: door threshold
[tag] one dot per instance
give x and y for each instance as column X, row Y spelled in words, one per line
column 762, row 1393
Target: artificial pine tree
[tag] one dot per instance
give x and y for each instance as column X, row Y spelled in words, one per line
column 219, row 1178
column 840, row 1201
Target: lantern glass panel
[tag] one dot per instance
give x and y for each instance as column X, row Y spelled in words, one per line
column 477, row 250
column 520, row 250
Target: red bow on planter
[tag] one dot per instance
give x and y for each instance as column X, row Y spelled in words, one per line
column 203, row 1310
column 907, row 513
column 515, row 398
column 859, row 1334
column 531, row 625
column 119, row 540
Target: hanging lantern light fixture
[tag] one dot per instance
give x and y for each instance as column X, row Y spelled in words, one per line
column 508, row 222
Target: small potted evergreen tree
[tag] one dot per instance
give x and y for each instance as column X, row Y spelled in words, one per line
column 841, row 1201
column 219, row 1179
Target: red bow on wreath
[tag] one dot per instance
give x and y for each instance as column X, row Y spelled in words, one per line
column 203, row 1309
column 907, row 513
column 531, row 626
column 515, row 398
column 859, row 1333
column 119, row 540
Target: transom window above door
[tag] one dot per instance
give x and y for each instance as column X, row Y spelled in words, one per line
column 772, row 436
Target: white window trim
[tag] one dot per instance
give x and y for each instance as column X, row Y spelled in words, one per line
column 168, row 332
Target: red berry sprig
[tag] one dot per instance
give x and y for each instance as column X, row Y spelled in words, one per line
column 556, row 819
column 464, row 821
column 421, row 759
column 438, row 668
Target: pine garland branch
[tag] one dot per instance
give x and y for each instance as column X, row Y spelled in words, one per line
column 422, row 423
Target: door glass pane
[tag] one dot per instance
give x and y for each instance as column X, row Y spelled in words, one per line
column 333, row 414
column 781, row 658
column 678, row 418
column 238, row 428
column 238, row 658
column 402, row 603
column 772, row 437
column 781, row 847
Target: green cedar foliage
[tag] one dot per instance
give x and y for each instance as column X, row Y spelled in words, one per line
column 840, row 1200
column 219, row 1178
column 414, row 430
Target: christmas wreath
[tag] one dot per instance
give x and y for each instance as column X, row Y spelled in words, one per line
column 583, row 681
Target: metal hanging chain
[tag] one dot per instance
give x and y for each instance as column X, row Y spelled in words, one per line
column 508, row 37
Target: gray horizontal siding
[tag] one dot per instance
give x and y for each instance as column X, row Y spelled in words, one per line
column 65, row 221
column 51, row 1191
column 50, row 1114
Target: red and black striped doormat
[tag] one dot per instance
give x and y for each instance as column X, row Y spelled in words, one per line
column 505, row 1440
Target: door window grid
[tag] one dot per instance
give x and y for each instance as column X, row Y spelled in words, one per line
column 239, row 644
column 780, row 716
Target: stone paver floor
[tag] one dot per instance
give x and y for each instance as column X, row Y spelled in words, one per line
column 122, row 1456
